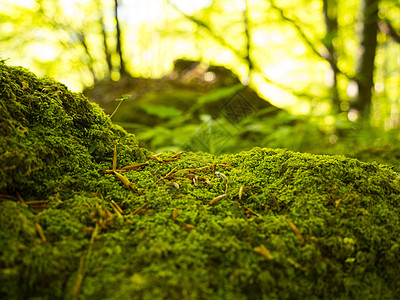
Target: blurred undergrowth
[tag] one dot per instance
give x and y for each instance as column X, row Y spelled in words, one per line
column 270, row 127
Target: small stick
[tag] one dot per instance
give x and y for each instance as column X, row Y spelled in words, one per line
column 78, row 285
column 241, row 192
column 169, row 159
column 81, row 269
column 115, row 159
column 6, row 197
column 337, row 202
column 225, row 180
column 276, row 202
column 155, row 156
column 216, row 199
column 186, row 226
column 253, row 212
column 112, row 171
column 175, row 214
column 225, row 165
column 20, row 199
column 177, row 155
column 296, row 231
column 133, row 167
column 139, row 209
column 170, row 173
column 125, row 181
column 35, row 202
column 262, row 250
column 192, row 170
column 40, row 231
column 205, row 180
column 118, row 210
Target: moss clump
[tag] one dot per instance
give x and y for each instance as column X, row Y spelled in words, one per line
column 290, row 225
column 48, row 132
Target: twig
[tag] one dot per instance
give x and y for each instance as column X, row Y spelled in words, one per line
column 83, row 260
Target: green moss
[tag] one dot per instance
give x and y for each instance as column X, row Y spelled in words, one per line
column 48, row 132
column 331, row 224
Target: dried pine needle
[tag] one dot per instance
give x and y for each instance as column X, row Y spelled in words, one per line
column 125, row 181
column 275, row 202
column 296, row 231
column 175, row 214
column 262, row 250
column 136, row 166
column 177, row 155
column 241, row 192
column 139, row 209
column 216, row 199
column 170, row 174
column 40, row 232
column 115, row 159
column 118, row 210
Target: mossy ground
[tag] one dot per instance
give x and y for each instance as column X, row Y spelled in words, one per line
column 291, row 226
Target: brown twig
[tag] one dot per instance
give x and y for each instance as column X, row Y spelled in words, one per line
column 275, row 202
column 139, row 209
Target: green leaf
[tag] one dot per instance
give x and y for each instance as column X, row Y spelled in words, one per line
column 124, row 97
column 162, row 111
column 220, row 93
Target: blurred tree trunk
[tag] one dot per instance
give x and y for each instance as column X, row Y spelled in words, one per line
column 365, row 74
column 331, row 23
column 122, row 68
column 82, row 39
column 107, row 52
column 246, row 18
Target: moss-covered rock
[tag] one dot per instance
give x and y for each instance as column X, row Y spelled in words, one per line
column 49, row 133
column 261, row 224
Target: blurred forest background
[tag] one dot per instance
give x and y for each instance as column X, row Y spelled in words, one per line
column 221, row 76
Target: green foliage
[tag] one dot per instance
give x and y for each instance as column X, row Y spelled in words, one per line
column 268, row 127
column 219, row 94
column 162, row 111
column 288, row 48
column 331, row 224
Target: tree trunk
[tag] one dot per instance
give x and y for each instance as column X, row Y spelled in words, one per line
column 331, row 23
column 107, row 52
column 122, row 68
column 365, row 74
column 246, row 16
column 82, row 39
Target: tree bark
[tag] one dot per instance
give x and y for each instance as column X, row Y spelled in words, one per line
column 365, row 74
